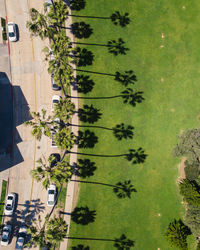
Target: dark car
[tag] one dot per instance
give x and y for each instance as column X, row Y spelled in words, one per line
column 53, row 83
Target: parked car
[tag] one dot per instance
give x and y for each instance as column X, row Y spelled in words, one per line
column 6, row 234
column 53, row 132
column 51, row 196
column 55, row 100
column 21, row 237
column 56, row 159
column 12, row 32
column 10, row 204
column 53, row 83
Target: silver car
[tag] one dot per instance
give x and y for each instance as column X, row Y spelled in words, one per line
column 6, row 233
column 51, row 196
column 10, row 204
column 12, row 32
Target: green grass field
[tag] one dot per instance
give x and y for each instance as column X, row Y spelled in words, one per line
column 168, row 71
column 2, row 199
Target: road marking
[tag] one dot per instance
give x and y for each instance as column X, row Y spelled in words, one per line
column 35, row 105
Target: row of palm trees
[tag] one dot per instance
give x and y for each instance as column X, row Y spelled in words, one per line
column 50, row 25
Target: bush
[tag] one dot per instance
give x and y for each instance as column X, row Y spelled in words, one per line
column 191, row 171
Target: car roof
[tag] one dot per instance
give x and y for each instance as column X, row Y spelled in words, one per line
column 52, row 186
column 11, row 27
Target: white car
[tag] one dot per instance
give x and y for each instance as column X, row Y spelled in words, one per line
column 12, row 32
column 55, row 100
column 6, row 233
column 21, row 237
column 51, row 196
column 53, row 132
column 10, row 204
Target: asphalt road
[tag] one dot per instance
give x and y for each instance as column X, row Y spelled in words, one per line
column 31, row 92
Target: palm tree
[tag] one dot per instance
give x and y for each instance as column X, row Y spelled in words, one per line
column 58, row 174
column 40, row 124
column 56, row 230
column 38, row 25
column 37, row 233
column 126, row 77
column 117, row 47
column 65, row 139
column 59, row 15
column 118, row 19
column 49, row 235
column 64, row 109
column 124, row 189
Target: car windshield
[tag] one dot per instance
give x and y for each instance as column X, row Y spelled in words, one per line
column 4, row 239
column 51, row 192
column 55, row 85
column 10, row 197
column 8, row 207
column 11, row 34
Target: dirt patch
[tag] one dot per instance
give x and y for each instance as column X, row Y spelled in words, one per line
column 181, row 169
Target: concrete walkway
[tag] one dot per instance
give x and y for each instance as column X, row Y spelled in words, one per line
column 72, row 188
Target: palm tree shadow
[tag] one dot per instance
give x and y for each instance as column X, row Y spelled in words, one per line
column 83, row 84
column 82, row 57
column 80, row 247
column 81, row 30
column 75, row 4
column 86, row 139
column 122, row 243
column 84, row 168
column 83, row 216
column 89, row 114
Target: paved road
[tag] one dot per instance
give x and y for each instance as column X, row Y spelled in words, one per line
column 31, row 91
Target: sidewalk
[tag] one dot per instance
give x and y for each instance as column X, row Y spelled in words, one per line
column 72, row 188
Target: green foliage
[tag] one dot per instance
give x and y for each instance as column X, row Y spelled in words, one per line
column 190, row 192
column 58, row 174
column 56, row 230
column 191, row 171
column 177, row 234
column 189, row 146
column 198, row 246
column 40, row 124
column 65, row 139
column 49, row 235
column 64, row 109
column 2, row 199
column 192, row 219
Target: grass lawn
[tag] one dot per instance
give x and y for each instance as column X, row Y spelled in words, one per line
column 168, row 71
column 2, row 199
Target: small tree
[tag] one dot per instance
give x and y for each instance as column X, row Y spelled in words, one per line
column 190, row 192
column 177, row 234
column 192, row 219
column 189, row 146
